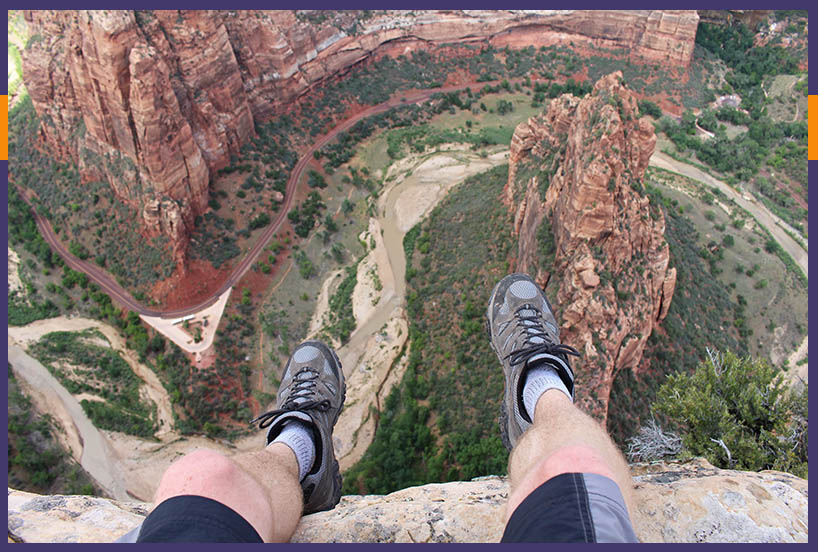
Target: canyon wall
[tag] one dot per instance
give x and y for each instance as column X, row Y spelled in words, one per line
column 154, row 102
column 575, row 180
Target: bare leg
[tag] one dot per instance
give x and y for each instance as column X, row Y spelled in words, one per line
column 563, row 439
column 262, row 487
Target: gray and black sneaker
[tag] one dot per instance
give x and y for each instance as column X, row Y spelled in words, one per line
column 312, row 390
column 524, row 333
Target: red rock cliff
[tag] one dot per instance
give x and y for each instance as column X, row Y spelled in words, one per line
column 611, row 266
column 154, row 101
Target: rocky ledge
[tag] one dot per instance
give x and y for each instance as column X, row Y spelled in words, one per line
column 676, row 502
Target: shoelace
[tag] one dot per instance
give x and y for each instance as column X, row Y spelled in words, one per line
column 532, row 326
column 303, row 388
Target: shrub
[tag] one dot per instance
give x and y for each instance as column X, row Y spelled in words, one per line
column 305, row 266
column 647, row 107
column 260, row 221
column 735, row 411
column 504, row 106
column 315, row 180
column 770, row 246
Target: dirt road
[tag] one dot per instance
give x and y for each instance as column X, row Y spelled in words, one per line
column 771, row 222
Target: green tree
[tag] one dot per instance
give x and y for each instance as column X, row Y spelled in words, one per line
column 737, row 412
column 504, row 106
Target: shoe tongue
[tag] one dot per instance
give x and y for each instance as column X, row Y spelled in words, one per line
column 533, row 360
column 531, row 323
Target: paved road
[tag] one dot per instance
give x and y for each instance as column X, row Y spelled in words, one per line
column 110, row 286
column 767, row 219
column 96, row 453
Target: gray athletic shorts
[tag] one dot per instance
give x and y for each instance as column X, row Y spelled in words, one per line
column 572, row 507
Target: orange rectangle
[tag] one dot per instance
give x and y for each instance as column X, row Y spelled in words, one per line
column 4, row 124
column 812, row 128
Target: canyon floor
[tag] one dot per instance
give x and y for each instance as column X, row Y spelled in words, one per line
column 413, row 186
column 130, row 467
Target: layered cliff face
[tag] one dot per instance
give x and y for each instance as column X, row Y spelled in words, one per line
column 575, row 171
column 155, row 101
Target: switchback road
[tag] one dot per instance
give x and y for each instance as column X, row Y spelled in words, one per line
column 118, row 293
column 104, row 280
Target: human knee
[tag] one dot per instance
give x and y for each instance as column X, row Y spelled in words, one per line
column 207, row 462
column 574, row 459
column 567, row 459
column 196, row 472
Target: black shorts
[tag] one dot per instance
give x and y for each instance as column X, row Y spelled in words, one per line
column 572, row 507
column 192, row 518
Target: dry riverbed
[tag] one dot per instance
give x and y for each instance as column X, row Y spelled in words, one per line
column 372, row 358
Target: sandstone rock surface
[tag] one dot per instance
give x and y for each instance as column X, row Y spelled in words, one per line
column 578, row 168
column 154, row 101
column 689, row 502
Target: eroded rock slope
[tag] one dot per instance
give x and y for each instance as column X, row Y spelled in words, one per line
column 581, row 216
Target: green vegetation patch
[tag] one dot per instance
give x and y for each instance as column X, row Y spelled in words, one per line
column 36, row 461
column 440, row 423
column 341, row 318
column 738, row 413
column 84, row 366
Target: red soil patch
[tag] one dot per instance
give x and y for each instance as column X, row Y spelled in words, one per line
column 257, row 282
column 199, row 282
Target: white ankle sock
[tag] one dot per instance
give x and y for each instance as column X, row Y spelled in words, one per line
column 299, row 437
column 538, row 380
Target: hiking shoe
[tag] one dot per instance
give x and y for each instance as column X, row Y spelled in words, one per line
column 312, row 390
column 523, row 333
